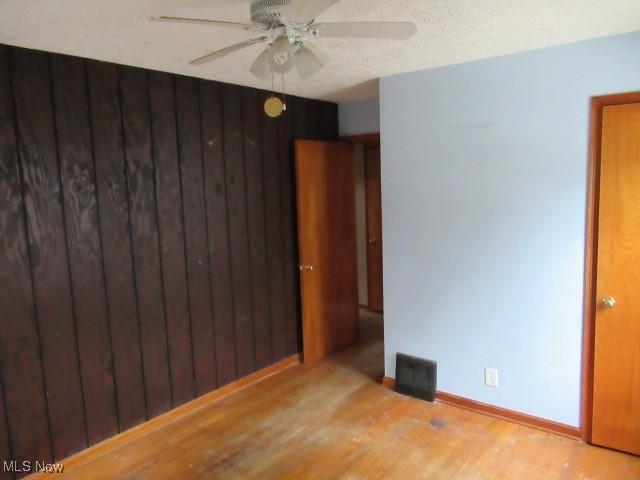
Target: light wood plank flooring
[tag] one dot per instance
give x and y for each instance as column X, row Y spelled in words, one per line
column 332, row 420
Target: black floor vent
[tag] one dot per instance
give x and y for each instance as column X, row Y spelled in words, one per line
column 416, row 377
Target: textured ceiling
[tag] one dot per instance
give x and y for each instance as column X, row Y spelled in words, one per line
column 450, row 31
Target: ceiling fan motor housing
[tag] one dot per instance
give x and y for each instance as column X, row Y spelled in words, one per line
column 271, row 12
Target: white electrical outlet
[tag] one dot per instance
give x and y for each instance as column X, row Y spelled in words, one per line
column 491, row 377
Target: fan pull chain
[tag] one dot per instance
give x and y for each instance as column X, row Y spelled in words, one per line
column 284, row 99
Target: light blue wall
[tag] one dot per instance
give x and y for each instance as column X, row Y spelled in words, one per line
column 359, row 117
column 484, row 178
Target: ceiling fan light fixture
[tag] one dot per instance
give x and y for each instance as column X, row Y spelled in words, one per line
column 307, row 62
column 260, row 67
column 281, row 56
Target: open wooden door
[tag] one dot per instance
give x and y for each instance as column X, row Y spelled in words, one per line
column 327, row 242
column 373, row 192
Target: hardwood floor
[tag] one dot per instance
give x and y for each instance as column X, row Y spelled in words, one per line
column 332, row 420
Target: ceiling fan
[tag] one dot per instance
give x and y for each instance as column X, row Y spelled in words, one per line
column 287, row 26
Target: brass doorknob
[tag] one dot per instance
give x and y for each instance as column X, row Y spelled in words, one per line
column 308, row 267
column 608, row 302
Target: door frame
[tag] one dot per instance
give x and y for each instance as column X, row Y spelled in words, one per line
column 591, row 253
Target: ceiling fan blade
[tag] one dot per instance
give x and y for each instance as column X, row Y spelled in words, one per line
column 306, row 10
column 307, row 62
column 203, row 21
column 227, row 50
column 260, row 67
column 387, row 30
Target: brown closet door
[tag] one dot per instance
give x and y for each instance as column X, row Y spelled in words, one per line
column 616, row 396
column 327, row 242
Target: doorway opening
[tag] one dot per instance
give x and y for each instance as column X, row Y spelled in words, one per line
column 366, row 158
column 338, row 198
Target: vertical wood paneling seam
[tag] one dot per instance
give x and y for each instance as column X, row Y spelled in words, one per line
column 246, row 218
column 100, row 241
column 133, row 262
column 184, row 234
column 35, row 315
column 226, row 199
column 158, row 234
column 266, row 242
column 206, row 229
column 66, row 243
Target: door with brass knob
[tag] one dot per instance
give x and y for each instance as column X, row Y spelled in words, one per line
column 325, row 176
column 616, row 380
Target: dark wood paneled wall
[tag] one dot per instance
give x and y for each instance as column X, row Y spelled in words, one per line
column 148, row 250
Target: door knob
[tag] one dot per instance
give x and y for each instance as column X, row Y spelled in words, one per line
column 608, row 302
column 372, row 241
column 308, row 267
